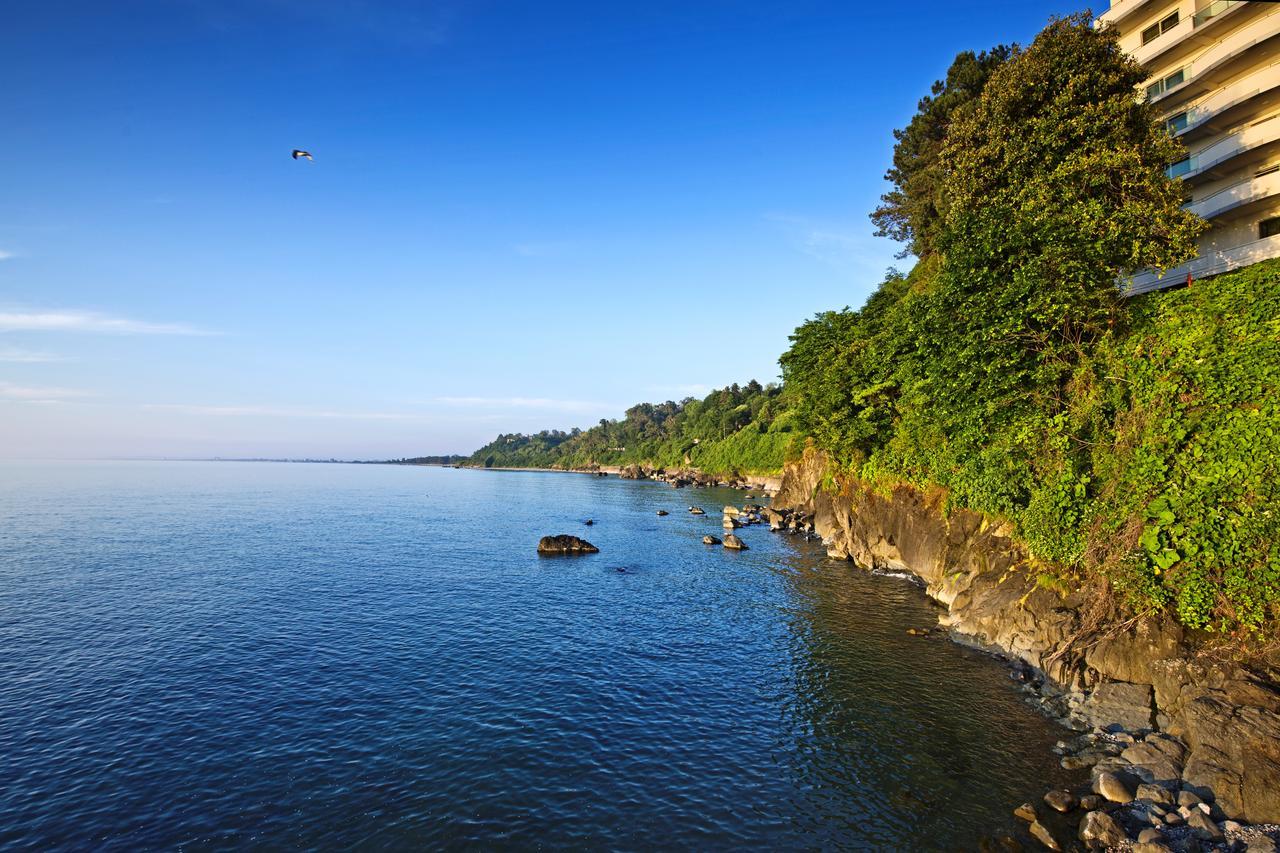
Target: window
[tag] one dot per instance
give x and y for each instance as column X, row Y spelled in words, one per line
column 1180, row 168
column 1158, row 29
column 1159, row 87
column 1177, row 123
column 1269, row 227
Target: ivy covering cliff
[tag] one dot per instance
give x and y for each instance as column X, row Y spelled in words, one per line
column 1132, row 443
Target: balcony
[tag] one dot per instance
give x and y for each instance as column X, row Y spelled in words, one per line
column 1213, row 10
column 1213, row 263
column 1242, row 141
column 1262, row 80
column 1186, row 28
column 1236, row 195
column 1259, row 30
column 1120, row 9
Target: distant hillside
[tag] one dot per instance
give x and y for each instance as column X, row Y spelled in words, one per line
column 743, row 429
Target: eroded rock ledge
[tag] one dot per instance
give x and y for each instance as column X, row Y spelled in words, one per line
column 1143, row 674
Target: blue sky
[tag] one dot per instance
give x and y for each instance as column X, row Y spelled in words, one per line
column 520, row 215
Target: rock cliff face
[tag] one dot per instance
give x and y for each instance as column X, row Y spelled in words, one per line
column 1099, row 668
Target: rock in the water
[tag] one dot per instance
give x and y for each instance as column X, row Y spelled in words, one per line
column 710, row 540
column 1099, row 831
column 1060, row 801
column 734, row 543
column 1110, row 786
column 1090, row 802
column 730, row 523
column 1043, row 835
column 663, row 512
column 697, row 510
column 1026, row 811
column 1203, row 826
column 565, row 544
column 732, row 510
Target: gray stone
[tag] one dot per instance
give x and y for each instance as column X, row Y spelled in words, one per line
column 1043, row 835
column 1099, row 831
column 1203, row 826
column 1153, row 764
column 1155, row 794
column 1110, row 786
column 1117, row 703
column 1061, row 801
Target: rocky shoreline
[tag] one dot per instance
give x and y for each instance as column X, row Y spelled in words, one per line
column 1183, row 749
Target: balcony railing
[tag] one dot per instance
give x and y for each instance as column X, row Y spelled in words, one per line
column 1213, row 10
column 1212, row 263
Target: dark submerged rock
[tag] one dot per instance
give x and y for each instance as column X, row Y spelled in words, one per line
column 710, row 540
column 563, row 543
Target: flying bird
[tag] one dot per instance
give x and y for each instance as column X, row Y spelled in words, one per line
column 298, row 153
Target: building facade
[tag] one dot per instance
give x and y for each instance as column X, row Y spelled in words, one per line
column 1214, row 74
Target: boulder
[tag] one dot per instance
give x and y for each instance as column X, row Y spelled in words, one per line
column 1113, row 788
column 1043, row 835
column 730, row 523
column 1155, row 794
column 710, row 540
column 663, row 512
column 732, row 510
column 1156, row 761
column 589, row 522
column 734, row 543
column 1100, row 830
column 1203, row 826
column 1091, row 802
column 697, row 510
column 1026, row 811
column 565, row 544
column 1116, row 703
column 1060, row 801
column 1149, row 847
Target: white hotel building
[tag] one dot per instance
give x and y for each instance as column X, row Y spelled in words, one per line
column 1214, row 74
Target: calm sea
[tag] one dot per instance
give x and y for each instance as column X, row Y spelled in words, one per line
column 213, row 655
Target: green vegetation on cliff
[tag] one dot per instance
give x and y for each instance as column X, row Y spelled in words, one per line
column 739, row 429
column 1132, row 441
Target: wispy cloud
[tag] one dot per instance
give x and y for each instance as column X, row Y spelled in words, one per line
column 86, row 321
column 840, row 245
column 545, row 403
column 26, row 393
column 284, row 412
column 17, row 355
column 5, row 255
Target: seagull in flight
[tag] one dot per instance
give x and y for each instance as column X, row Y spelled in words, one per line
column 299, row 153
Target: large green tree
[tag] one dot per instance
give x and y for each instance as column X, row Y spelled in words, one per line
column 909, row 212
